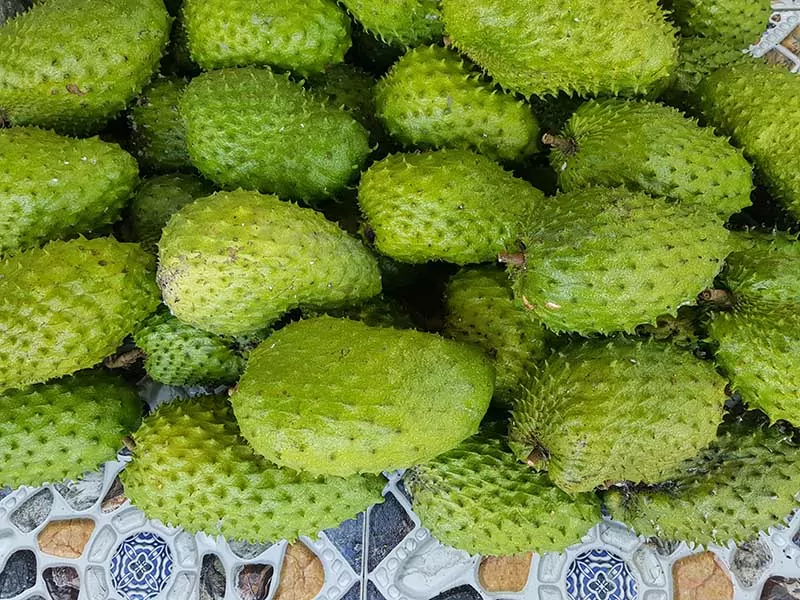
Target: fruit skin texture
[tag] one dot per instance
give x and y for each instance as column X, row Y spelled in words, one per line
column 158, row 135
column 57, row 71
column 609, row 411
column 253, row 129
column 56, row 187
column 68, row 305
column 432, row 99
column 654, row 149
column 604, row 260
column 304, row 36
column 69, row 426
column 737, row 23
column 336, row 397
column 179, row 354
column 743, row 483
column 759, row 107
column 478, row 498
column 451, row 205
column 234, row 262
column 480, row 310
column 700, row 56
column 155, row 201
column 637, row 55
column 399, row 22
column 192, row 469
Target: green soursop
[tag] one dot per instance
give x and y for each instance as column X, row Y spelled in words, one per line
column 336, row 396
column 254, row 129
column 59, row 430
column 738, row 23
column 480, row 310
column 450, row 205
column 68, row 305
column 759, row 107
column 655, row 149
column 542, row 47
column 71, row 65
column 179, row 354
column 433, row 99
column 192, row 469
column 606, row 411
column 745, row 482
column 700, row 56
column 477, row 497
column 605, row 260
column 158, row 135
column 155, row 201
column 399, row 22
column 236, row 261
column 304, row 36
column 56, row 187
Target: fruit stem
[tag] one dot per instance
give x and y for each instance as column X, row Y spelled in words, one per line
column 123, row 360
column 516, row 259
column 538, row 457
column 719, row 298
column 564, row 145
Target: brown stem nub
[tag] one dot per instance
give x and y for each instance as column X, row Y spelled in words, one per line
column 123, row 360
column 720, row 298
column 538, row 457
column 564, row 145
column 129, row 443
column 516, row 259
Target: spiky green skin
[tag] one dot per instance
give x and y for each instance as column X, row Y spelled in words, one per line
column 699, row 56
column 54, row 187
column 738, row 23
column 759, row 107
column 158, row 136
column 335, row 396
column 179, row 354
column 654, row 149
column 759, row 351
column 480, row 310
column 236, row 261
column 302, row 37
column 540, row 47
column 192, row 469
column 432, row 99
column 380, row 311
column 68, row 305
column 59, row 430
column 478, row 498
column 155, row 201
column 399, row 22
column 743, row 483
column 605, row 260
column 451, row 205
column 610, row 411
column 57, row 72
column 303, row 148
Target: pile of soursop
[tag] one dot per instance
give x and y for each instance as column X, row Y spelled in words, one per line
column 541, row 254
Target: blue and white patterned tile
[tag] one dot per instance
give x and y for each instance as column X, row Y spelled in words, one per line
column 141, row 566
column 600, row 575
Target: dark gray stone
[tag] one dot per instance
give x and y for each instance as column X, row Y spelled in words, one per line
column 349, row 540
column 663, row 547
column 781, row 588
column 212, row 578
column 63, row 583
column 34, row 511
column 247, row 550
column 389, row 523
column 462, row 592
column 373, row 593
column 19, row 574
column 83, row 493
column 354, row 593
column 749, row 562
column 253, row 581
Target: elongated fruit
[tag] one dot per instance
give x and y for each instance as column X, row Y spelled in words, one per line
column 68, row 305
column 336, row 396
column 738, row 23
column 236, row 261
column 399, row 22
column 606, row 411
column 192, row 469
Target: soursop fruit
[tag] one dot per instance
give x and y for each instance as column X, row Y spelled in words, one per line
column 179, row 354
column 251, row 128
column 480, row 310
column 72, row 65
column 399, row 22
column 431, row 98
column 606, row 411
column 59, row 430
column 336, row 397
column 700, row 56
column 192, row 469
column 68, row 305
column 381, row 311
column 478, row 498
column 759, row 107
column 745, row 482
column 450, row 205
column 609, row 259
column 737, row 23
column 55, row 187
column 654, row 149
column 304, row 36
column 155, row 201
column 234, row 262
column 158, row 135
column 542, row 47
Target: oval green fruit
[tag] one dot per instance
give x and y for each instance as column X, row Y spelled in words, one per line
column 399, row 22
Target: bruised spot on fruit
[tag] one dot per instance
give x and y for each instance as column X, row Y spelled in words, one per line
column 516, row 259
column 73, row 88
column 527, row 304
column 123, row 360
column 552, row 306
column 567, row 146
